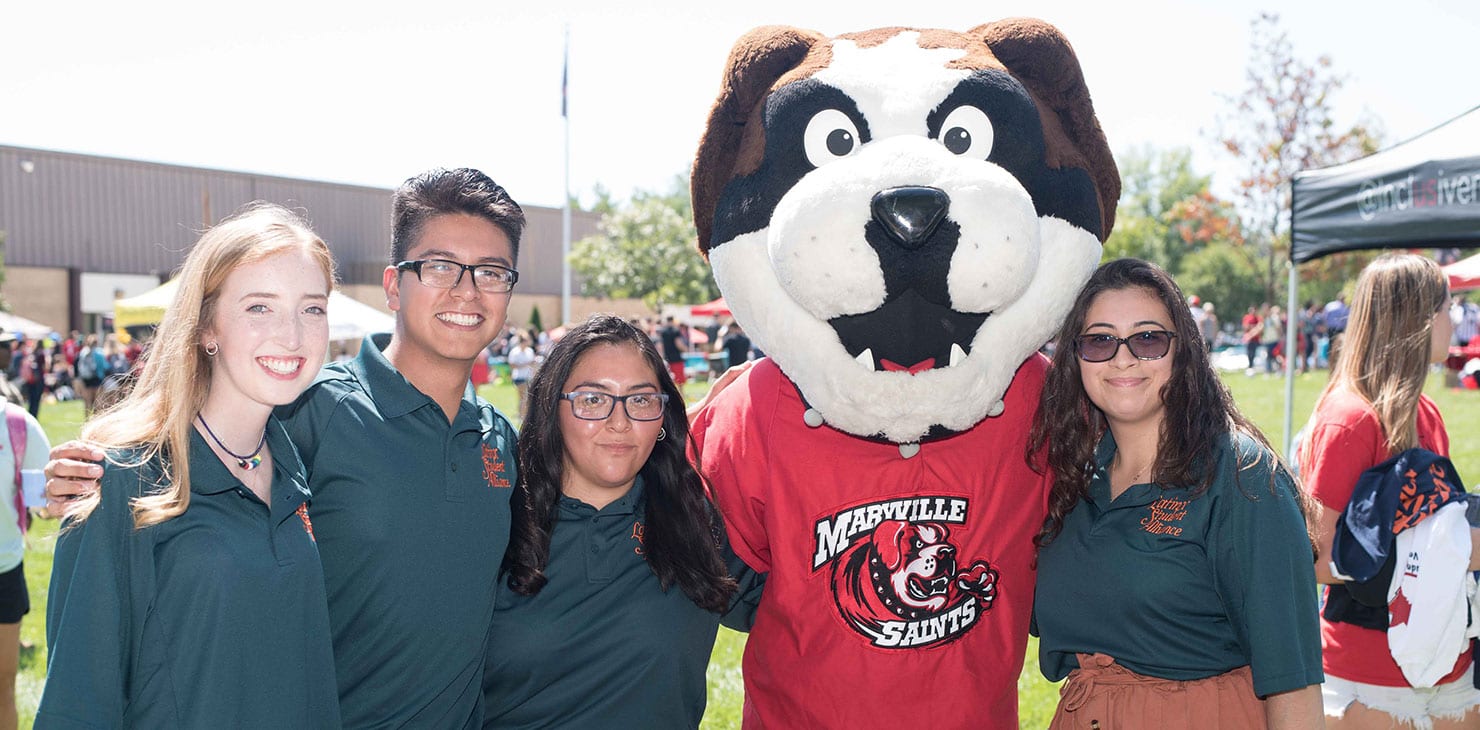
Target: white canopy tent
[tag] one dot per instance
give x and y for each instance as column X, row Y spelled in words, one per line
column 15, row 323
column 1464, row 274
column 348, row 319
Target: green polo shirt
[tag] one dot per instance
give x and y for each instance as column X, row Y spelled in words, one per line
column 603, row 645
column 214, row 618
column 1185, row 587
column 412, row 515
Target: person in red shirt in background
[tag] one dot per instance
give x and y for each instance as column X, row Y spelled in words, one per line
column 1253, row 327
column 70, row 347
column 1372, row 409
column 480, row 369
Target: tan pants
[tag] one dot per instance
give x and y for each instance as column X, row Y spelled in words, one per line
column 1102, row 695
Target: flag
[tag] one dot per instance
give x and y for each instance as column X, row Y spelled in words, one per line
column 565, row 76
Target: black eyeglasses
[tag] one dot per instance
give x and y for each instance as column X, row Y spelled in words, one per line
column 444, row 274
column 1148, row 345
column 590, row 405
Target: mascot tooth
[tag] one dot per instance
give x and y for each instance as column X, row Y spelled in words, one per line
column 899, row 218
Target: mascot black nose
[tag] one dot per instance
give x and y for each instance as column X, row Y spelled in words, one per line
column 911, row 213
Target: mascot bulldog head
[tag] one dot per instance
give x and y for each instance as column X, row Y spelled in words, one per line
column 900, row 217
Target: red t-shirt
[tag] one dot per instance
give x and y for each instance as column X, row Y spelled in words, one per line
column 1346, row 439
column 899, row 589
column 1252, row 324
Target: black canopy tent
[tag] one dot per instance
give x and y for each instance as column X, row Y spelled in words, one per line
column 1424, row 192
column 1421, row 193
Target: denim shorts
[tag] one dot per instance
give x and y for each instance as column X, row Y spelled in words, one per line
column 1415, row 706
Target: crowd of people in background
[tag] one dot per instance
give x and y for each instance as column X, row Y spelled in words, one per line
column 1260, row 335
column 516, row 353
column 35, row 371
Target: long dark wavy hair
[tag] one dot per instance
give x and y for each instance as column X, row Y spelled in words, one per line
column 1199, row 412
column 681, row 540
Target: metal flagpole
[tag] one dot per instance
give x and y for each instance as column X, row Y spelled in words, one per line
column 1292, row 319
column 565, row 208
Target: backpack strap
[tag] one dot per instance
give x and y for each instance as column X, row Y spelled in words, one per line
column 15, row 422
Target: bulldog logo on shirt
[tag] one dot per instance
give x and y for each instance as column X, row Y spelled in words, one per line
column 897, row 578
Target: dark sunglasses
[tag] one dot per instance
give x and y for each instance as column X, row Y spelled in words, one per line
column 1148, row 345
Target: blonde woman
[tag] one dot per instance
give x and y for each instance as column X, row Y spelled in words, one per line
column 1372, row 409
column 187, row 590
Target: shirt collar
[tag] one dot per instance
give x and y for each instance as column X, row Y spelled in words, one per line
column 1099, row 482
column 627, row 504
column 209, row 476
column 393, row 394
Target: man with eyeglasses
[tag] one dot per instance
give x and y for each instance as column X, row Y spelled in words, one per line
column 411, row 472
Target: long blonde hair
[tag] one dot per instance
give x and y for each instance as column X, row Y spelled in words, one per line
column 1384, row 356
column 175, row 374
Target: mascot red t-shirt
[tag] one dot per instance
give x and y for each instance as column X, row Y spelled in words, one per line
column 899, row 219
column 897, row 596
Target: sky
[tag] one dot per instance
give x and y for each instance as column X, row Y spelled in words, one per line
column 371, row 93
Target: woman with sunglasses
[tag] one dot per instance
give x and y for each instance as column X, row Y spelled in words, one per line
column 1373, row 409
column 1175, row 585
column 617, row 573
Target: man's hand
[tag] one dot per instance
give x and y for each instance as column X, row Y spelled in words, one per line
column 72, row 473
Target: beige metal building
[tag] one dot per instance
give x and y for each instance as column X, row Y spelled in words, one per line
column 81, row 231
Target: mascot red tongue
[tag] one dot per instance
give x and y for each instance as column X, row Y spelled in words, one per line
column 899, row 219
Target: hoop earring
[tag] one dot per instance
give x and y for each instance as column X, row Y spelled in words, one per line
column 662, row 433
column 212, row 348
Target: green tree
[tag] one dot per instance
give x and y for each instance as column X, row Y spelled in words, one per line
column 536, row 323
column 646, row 250
column 1280, row 124
column 1166, row 211
column 1153, row 185
column 1220, row 274
column 602, row 203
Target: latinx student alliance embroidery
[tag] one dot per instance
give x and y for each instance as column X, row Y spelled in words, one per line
column 1162, row 512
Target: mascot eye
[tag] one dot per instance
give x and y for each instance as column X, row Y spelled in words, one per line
column 830, row 136
column 967, row 132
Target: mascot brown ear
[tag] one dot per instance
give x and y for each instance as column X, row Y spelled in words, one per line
column 1042, row 59
column 891, row 550
column 758, row 59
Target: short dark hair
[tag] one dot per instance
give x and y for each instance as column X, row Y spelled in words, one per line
column 684, row 530
column 444, row 192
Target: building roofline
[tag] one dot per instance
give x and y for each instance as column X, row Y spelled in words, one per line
column 189, row 168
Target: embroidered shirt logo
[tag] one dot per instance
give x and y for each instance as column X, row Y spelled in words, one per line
column 493, row 468
column 896, row 577
column 307, row 523
column 1162, row 513
column 637, row 530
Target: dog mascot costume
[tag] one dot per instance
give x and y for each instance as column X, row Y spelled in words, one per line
column 899, row 219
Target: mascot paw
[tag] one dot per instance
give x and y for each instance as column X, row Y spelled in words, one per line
column 979, row 580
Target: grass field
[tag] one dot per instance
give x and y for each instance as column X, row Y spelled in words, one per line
column 1261, row 398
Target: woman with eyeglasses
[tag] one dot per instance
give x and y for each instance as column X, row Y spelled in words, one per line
column 1175, row 579
column 1374, row 408
column 617, row 574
